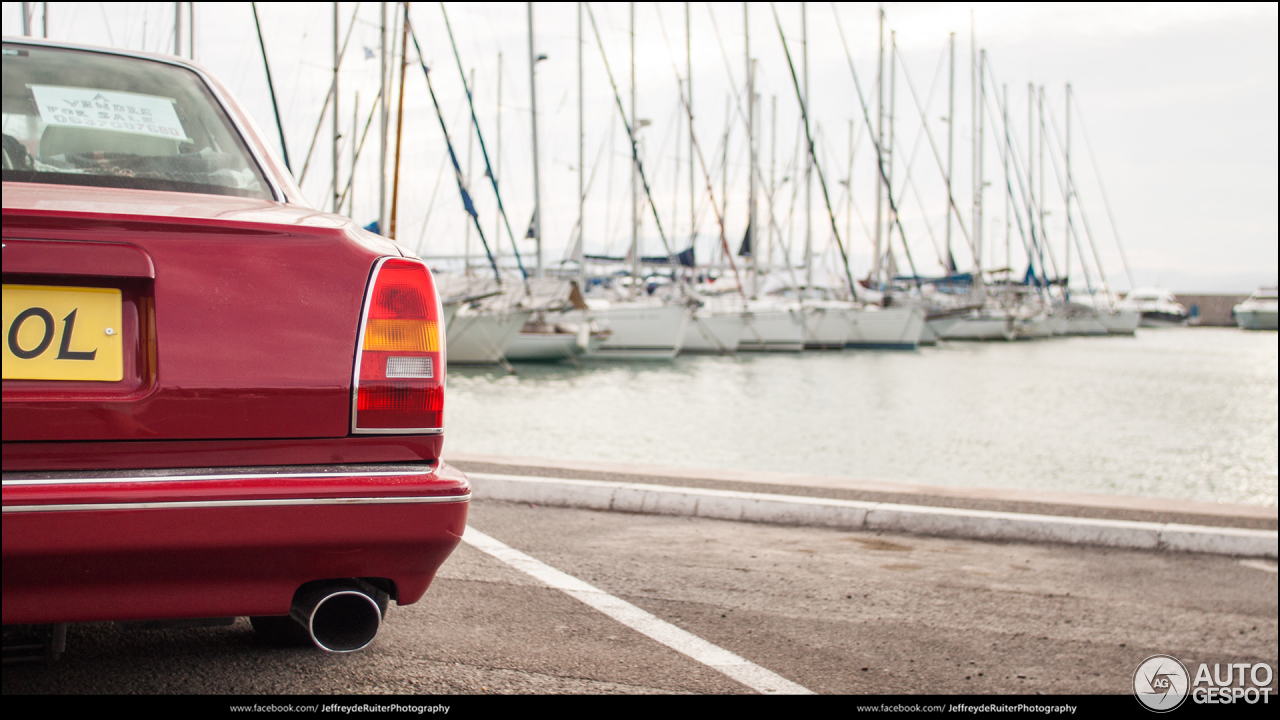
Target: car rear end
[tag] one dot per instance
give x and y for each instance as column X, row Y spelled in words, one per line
column 216, row 401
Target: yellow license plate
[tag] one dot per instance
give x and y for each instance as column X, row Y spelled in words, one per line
column 62, row 333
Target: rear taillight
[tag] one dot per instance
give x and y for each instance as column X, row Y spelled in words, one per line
column 399, row 378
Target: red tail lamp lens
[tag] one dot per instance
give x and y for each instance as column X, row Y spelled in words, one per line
column 400, row 386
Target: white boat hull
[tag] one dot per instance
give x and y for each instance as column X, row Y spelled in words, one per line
column 894, row 328
column 1039, row 326
column 929, row 336
column 1086, row 324
column 717, row 333
column 936, row 329
column 772, row 331
column 637, row 332
column 982, row 328
column 1120, row 322
column 544, row 347
column 1163, row 320
column 1256, row 319
column 826, row 327
column 478, row 338
column 449, row 311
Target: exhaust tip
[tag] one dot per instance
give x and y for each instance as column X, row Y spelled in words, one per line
column 339, row 617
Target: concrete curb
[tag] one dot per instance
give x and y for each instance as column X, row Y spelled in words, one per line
column 858, row 515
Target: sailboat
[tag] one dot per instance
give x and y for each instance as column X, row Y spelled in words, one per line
column 548, row 335
column 484, row 319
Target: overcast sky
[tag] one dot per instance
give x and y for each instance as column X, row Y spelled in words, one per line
column 1179, row 103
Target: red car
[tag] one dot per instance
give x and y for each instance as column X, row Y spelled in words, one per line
column 218, row 401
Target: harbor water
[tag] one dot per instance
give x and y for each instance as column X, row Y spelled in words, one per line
column 1186, row 413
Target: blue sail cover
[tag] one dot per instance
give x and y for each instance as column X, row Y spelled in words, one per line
column 952, row 279
column 684, row 258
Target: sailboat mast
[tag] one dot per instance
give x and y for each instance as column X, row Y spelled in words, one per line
column 675, row 186
column 1044, row 236
column 888, row 150
column 470, row 145
column 688, row 60
column 635, row 220
column 848, row 198
column 1067, row 191
column 533, row 112
column 497, row 161
column 1031, row 156
column 751, row 151
column 724, row 164
column 773, row 166
column 951, row 132
column 982, row 102
column 355, row 156
column 383, row 118
column 975, row 218
column 395, row 179
column 875, row 261
column 808, row 161
column 337, row 135
column 1008, row 195
column 582, row 271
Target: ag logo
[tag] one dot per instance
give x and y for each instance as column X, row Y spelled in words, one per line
column 1161, row 683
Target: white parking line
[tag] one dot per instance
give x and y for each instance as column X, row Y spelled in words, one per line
column 1262, row 565
column 736, row 667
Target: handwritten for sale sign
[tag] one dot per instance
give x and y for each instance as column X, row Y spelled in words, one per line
column 109, row 110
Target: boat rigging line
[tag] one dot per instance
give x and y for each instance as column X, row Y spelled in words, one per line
column 359, row 147
column 866, row 114
column 907, row 182
column 635, row 152
column 1037, row 246
column 1005, row 152
column 804, row 114
column 736, row 104
column 1115, row 231
column 306, row 163
column 936, row 155
column 697, row 149
column 453, row 157
column 493, row 179
column 1070, row 188
column 284, row 148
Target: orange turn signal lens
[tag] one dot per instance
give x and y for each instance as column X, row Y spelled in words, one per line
column 397, row 335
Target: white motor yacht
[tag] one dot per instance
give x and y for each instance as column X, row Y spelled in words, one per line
column 1114, row 316
column 1258, row 312
column 1158, row 306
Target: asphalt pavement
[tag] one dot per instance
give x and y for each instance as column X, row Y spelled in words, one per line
column 831, row 611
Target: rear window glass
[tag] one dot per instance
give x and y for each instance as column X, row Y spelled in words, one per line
column 85, row 118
